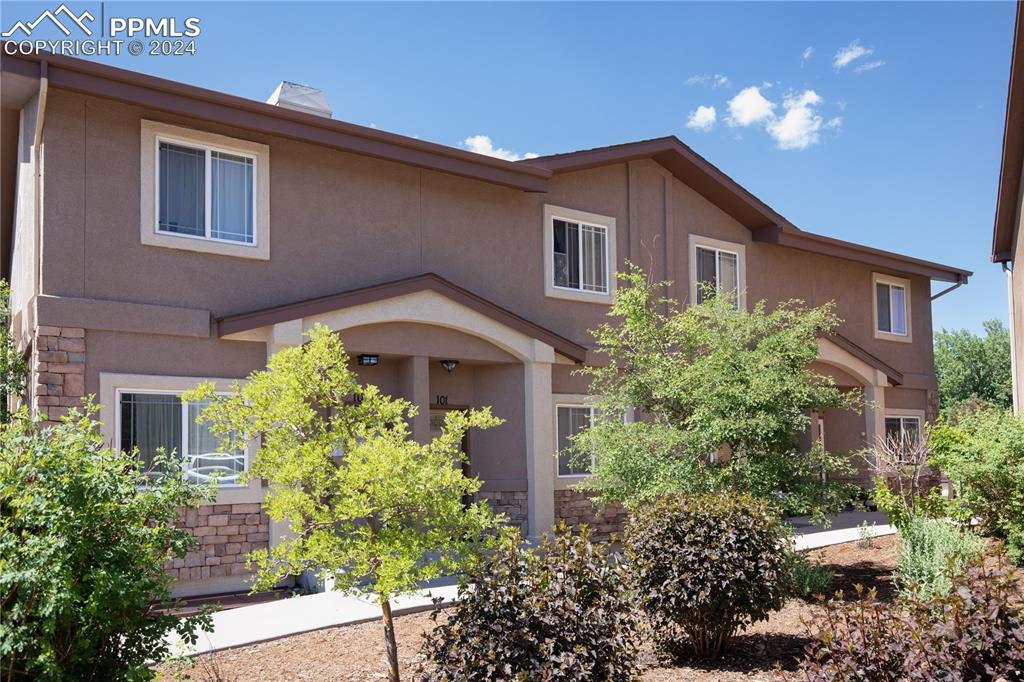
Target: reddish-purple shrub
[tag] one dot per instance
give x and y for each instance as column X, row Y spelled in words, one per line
column 974, row 633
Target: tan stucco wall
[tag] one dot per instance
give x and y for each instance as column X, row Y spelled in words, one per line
column 1016, row 299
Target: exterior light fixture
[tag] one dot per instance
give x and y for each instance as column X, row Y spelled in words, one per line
column 369, row 360
column 450, row 365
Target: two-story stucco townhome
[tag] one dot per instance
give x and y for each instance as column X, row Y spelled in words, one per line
column 162, row 234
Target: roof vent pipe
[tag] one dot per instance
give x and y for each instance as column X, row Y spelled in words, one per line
column 300, row 97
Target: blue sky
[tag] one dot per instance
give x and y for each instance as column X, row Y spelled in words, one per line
column 897, row 148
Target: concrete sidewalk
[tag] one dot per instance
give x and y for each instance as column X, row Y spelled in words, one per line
column 291, row 616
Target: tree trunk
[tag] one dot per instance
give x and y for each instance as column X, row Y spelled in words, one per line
column 389, row 639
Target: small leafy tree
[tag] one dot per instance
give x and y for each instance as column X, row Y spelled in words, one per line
column 972, row 366
column 374, row 510
column 13, row 366
column 709, row 379
column 84, row 536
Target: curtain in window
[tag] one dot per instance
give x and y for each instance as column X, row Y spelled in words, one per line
column 899, row 310
column 205, row 458
column 595, row 275
column 571, row 421
column 231, row 203
column 567, row 254
column 884, row 308
column 182, row 189
column 706, row 271
column 728, row 273
column 149, row 422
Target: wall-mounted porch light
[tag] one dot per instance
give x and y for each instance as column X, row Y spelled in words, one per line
column 450, row 365
column 368, row 360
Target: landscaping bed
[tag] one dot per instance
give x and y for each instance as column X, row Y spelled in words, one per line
column 356, row 652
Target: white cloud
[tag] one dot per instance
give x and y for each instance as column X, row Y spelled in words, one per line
column 702, row 118
column 807, row 54
column 868, row 66
column 798, row 128
column 748, row 107
column 715, row 80
column 834, row 123
column 850, row 53
column 481, row 144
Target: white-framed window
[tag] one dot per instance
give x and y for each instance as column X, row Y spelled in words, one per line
column 718, row 266
column 579, row 255
column 892, row 307
column 903, row 428
column 204, row 192
column 571, row 420
column 150, row 420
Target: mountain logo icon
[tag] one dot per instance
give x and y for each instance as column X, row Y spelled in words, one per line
column 54, row 16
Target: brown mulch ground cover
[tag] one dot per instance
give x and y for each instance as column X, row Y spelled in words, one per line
column 356, row 652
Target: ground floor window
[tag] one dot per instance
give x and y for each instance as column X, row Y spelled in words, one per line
column 155, row 420
column 572, row 419
column 906, row 429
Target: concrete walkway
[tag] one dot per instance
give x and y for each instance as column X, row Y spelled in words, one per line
column 291, row 616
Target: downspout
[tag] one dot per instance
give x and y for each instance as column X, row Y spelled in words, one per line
column 945, row 291
column 1013, row 344
column 37, row 145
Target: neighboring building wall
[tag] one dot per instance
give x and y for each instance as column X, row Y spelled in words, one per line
column 1016, row 298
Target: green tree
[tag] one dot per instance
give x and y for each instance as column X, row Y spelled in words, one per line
column 84, row 536
column 365, row 504
column 13, row 366
column 972, row 366
column 706, row 379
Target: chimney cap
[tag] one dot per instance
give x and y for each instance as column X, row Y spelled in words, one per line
column 299, row 97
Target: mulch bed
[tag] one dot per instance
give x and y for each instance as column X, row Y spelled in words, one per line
column 356, row 652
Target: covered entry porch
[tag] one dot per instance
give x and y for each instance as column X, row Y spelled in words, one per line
column 442, row 347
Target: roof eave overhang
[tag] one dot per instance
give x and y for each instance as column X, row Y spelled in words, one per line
column 158, row 94
column 1008, row 199
column 827, row 246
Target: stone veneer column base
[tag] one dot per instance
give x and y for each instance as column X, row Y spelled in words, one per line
column 575, row 508
column 511, row 503
column 57, row 370
column 226, row 534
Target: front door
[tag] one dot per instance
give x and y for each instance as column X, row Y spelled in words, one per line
column 437, row 416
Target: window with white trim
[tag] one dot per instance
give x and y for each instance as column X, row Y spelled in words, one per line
column 903, row 429
column 580, row 255
column 891, row 308
column 153, row 420
column 572, row 420
column 205, row 192
column 717, row 270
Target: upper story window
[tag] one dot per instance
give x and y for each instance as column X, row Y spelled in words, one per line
column 150, row 421
column 205, row 192
column 717, row 266
column 579, row 255
column 892, row 307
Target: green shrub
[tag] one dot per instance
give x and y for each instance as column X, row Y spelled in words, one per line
column 981, row 450
column 559, row 612
column 931, row 549
column 974, row 633
column 705, row 568
column 84, row 535
column 807, row 578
